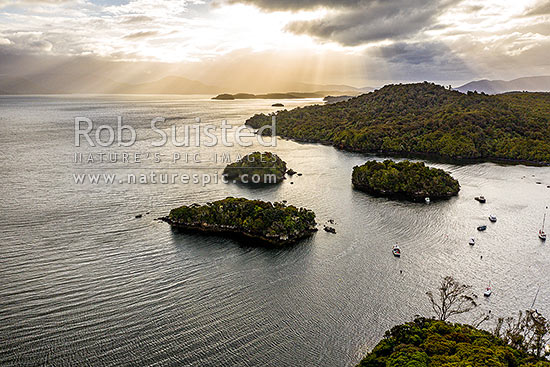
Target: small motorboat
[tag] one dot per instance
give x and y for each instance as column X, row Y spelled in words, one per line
column 396, row 251
column 427, row 200
column 492, row 218
column 487, row 292
column 472, row 241
column 481, row 199
column 481, row 228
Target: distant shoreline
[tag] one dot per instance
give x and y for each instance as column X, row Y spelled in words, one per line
column 289, row 95
column 419, row 155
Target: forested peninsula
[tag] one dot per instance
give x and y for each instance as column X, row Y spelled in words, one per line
column 427, row 120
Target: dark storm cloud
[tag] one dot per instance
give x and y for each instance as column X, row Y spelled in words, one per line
column 422, row 61
column 354, row 22
column 414, row 53
column 375, row 23
column 298, row 4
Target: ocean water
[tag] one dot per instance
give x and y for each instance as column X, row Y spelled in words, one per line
column 85, row 282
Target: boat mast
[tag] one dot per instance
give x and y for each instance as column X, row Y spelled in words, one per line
column 544, row 219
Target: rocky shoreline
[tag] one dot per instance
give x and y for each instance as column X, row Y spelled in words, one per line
column 238, row 232
column 273, row 223
column 414, row 197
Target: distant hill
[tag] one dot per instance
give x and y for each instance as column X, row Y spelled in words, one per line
column 172, row 85
column 528, row 84
column 305, row 87
column 426, row 119
column 18, row 85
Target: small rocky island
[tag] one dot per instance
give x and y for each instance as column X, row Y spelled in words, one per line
column 274, row 223
column 257, row 168
column 407, row 180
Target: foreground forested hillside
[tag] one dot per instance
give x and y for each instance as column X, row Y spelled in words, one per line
column 431, row 343
column 425, row 118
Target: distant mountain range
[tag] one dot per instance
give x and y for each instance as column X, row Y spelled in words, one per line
column 92, row 84
column 304, row 87
column 529, row 84
column 82, row 83
column 76, row 83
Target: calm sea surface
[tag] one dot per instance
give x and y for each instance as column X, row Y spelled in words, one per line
column 84, row 282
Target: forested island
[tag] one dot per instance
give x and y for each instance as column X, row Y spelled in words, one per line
column 409, row 180
column 427, row 120
column 274, row 223
column 427, row 342
column 264, row 168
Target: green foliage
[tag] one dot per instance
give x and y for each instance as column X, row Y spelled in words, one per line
column 431, row 343
column 266, row 167
column 275, row 222
column 412, row 180
column 425, row 118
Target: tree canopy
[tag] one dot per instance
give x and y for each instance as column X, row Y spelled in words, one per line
column 433, row 343
column 426, row 119
column 413, row 181
column 257, row 168
column 274, row 222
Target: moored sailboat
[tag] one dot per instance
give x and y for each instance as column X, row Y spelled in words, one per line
column 542, row 234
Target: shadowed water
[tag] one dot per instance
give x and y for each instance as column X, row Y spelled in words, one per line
column 84, row 282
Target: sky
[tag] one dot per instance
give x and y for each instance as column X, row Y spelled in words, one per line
column 245, row 43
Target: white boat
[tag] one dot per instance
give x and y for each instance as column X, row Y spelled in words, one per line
column 487, row 292
column 492, row 218
column 396, row 251
column 472, row 241
column 542, row 234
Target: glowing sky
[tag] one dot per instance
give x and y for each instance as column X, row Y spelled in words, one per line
column 358, row 42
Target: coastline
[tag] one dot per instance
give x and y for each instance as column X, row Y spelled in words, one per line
column 400, row 195
column 220, row 230
column 420, row 155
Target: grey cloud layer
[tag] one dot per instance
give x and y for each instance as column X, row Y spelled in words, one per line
column 298, row 4
column 355, row 22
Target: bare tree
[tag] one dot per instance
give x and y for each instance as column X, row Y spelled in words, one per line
column 454, row 298
column 484, row 316
column 530, row 332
